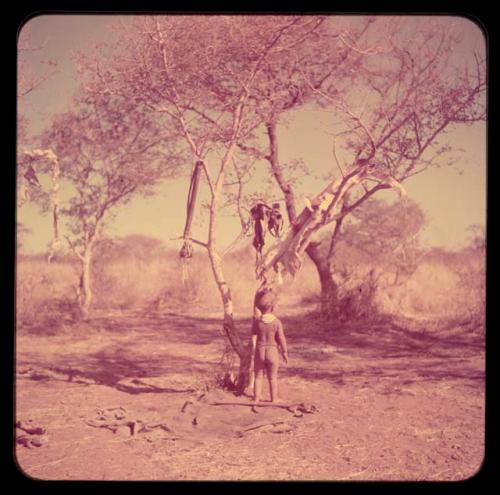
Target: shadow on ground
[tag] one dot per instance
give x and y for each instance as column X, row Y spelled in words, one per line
column 140, row 345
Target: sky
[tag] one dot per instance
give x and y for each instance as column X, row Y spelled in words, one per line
column 452, row 198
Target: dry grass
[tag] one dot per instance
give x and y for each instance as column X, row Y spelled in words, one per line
column 133, row 282
column 43, row 290
column 443, row 288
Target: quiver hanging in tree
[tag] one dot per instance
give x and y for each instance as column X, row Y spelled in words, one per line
column 186, row 252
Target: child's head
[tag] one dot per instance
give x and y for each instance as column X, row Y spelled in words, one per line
column 266, row 302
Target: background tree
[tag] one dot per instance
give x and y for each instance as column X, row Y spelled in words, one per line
column 22, row 231
column 377, row 248
column 29, row 159
column 136, row 246
column 28, row 80
column 471, row 270
column 109, row 151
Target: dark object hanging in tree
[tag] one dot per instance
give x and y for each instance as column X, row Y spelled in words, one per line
column 265, row 218
column 260, row 216
column 186, row 250
column 31, row 177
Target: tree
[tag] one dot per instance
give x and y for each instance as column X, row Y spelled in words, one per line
column 29, row 159
column 378, row 247
column 22, row 231
column 331, row 61
column 28, row 80
column 471, row 271
column 214, row 77
column 393, row 122
column 477, row 237
column 135, row 246
column 109, row 151
column 193, row 70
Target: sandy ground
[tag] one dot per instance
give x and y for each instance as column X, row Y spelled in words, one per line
column 394, row 401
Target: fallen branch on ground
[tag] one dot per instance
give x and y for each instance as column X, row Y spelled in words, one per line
column 36, row 434
column 113, row 426
column 297, row 409
column 274, row 427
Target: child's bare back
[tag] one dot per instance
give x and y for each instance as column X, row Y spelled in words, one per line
column 269, row 340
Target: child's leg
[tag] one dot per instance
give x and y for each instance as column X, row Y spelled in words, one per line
column 259, row 367
column 272, row 365
column 251, row 371
column 259, row 376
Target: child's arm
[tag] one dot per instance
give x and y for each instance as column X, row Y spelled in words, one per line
column 254, row 336
column 280, row 338
column 255, row 322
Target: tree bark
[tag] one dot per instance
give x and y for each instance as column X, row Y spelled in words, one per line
column 86, row 282
column 277, row 170
column 329, row 289
column 243, row 351
column 85, row 286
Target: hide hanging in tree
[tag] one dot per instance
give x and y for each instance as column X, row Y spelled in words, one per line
column 265, row 219
column 29, row 180
column 260, row 213
column 55, row 209
column 31, row 177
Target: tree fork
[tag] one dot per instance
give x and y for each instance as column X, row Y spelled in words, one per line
column 329, row 289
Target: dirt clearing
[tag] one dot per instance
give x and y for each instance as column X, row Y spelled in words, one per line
column 125, row 397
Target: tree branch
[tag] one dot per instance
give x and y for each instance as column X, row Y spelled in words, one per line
column 195, row 241
column 73, row 248
column 277, row 171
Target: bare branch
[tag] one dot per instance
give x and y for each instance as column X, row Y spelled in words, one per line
column 73, row 248
column 195, row 241
column 334, row 152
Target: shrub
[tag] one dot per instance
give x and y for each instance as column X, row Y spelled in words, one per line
column 44, row 292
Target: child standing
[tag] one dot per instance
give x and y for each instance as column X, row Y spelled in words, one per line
column 268, row 340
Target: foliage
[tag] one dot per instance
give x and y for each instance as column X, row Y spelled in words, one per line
column 108, row 151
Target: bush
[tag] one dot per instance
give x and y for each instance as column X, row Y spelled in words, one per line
column 44, row 292
column 448, row 285
column 444, row 285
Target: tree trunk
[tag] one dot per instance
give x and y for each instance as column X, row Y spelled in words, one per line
column 243, row 351
column 329, row 289
column 85, row 289
column 87, row 286
column 244, row 373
